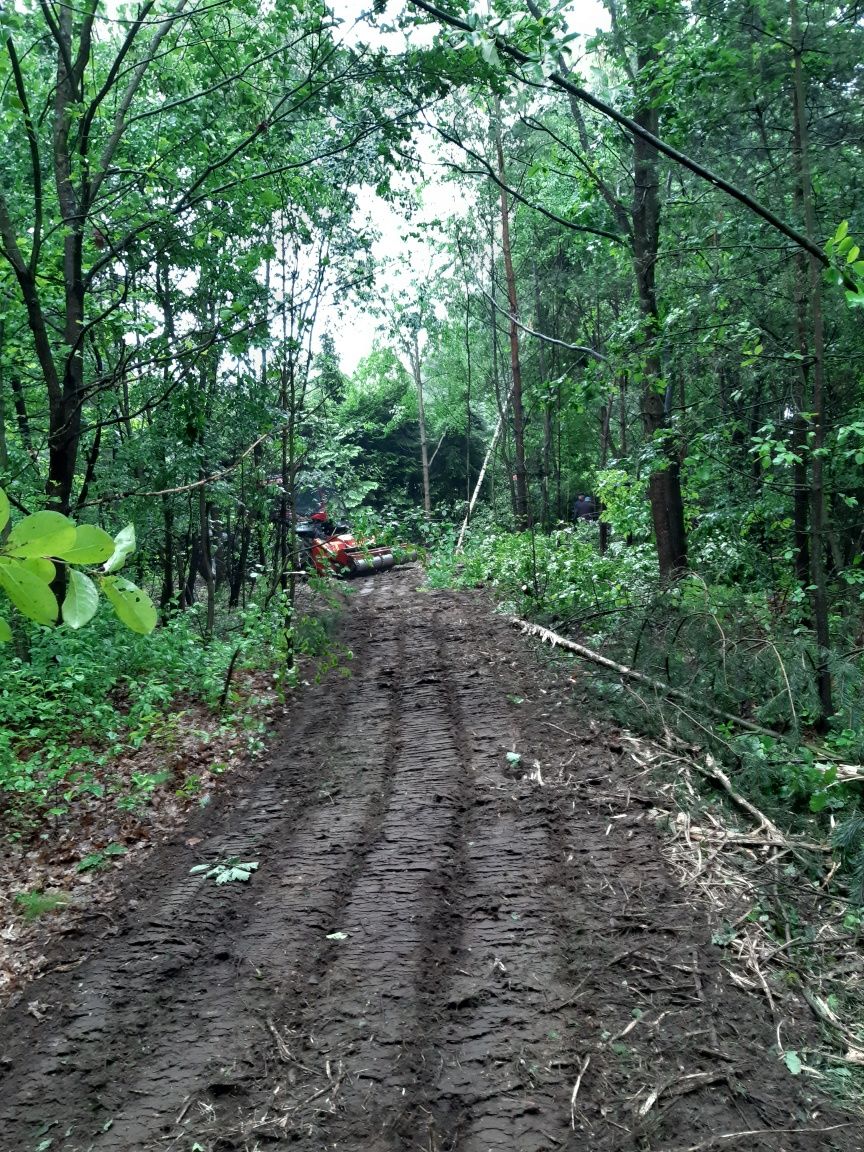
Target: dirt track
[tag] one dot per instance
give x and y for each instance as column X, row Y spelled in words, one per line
column 435, row 944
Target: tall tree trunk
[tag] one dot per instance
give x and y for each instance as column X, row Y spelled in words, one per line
column 167, row 594
column 521, row 483
column 417, row 372
column 467, row 396
column 801, row 495
column 65, row 410
column 817, row 403
column 605, row 440
column 4, row 451
column 206, row 558
column 664, row 487
column 548, row 403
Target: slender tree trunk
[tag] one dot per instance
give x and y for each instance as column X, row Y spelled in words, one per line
column 206, row 557
column 817, row 406
column 4, row 451
column 548, row 403
column 664, row 487
column 65, row 411
column 622, row 412
column 605, row 438
column 801, row 495
column 559, row 503
column 417, row 372
column 468, row 428
column 167, row 594
column 521, row 483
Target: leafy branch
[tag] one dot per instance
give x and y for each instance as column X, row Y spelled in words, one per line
column 28, row 567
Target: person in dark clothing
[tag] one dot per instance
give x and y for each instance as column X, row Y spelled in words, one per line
column 584, row 508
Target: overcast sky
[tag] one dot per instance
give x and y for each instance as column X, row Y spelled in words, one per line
column 403, row 258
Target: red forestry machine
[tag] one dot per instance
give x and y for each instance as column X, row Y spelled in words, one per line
column 333, row 548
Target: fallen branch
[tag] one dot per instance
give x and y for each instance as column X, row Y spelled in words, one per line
column 482, row 476
column 549, row 637
column 583, row 1068
column 848, row 773
column 822, row 1010
column 714, row 772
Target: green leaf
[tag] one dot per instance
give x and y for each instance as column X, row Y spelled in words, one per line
column 4, row 509
column 92, row 546
column 842, row 229
column 82, row 600
column 514, row 758
column 240, row 872
column 124, row 545
column 853, row 254
column 43, row 569
column 30, row 595
column 231, row 870
column 488, row 51
column 5, row 632
column 793, row 1062
column 42, row 534
column 133, row 607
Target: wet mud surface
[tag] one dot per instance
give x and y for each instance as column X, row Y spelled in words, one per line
column 442, row 949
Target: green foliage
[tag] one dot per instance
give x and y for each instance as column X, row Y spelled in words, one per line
column 848, row 842
column 100, row 859
column 126, row 685
column 36, row 904
column 724, row 644
column 226, row 872
column 27, row 570
column 556, row 577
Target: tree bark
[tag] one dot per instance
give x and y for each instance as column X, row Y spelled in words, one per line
column 664, row 486
column 521, row 482
column 817, row 404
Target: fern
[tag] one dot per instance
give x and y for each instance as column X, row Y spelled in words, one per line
column 856, row 877
column 848, row 836
column 848, row 841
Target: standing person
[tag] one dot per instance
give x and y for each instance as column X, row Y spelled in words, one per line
column 584, row 508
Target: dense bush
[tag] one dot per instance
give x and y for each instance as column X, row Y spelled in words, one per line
column 71, row 702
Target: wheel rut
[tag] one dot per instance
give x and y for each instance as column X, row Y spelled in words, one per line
column 440, row 942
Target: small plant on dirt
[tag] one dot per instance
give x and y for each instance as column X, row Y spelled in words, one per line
column 142, row 785
column 226, row 871
column 100, row 859
column 35, row 904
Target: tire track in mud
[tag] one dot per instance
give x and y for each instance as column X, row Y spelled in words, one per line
column 377, row 992
column 435, row 941
column 446, row 970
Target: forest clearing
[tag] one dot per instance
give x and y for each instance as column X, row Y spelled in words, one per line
column 431, row 575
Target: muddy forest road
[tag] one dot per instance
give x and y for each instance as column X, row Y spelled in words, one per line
column 441, row 949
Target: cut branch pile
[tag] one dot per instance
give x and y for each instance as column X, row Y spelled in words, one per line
column 756, row 898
